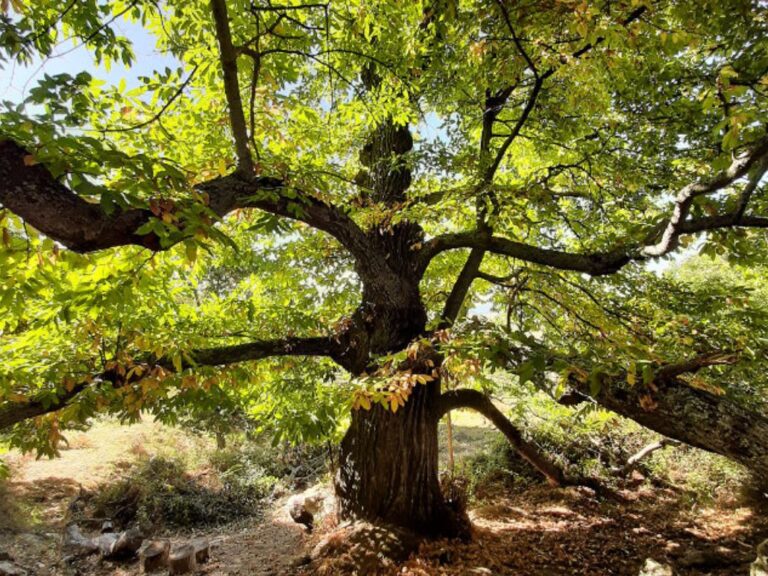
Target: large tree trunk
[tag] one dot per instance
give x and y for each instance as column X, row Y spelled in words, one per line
column 388, row 468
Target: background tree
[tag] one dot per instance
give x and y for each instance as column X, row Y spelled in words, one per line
column 371, row 171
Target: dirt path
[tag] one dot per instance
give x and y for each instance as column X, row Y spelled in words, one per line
column 272, row 547
column 41, row 491
column 537, row 532
column 564, row 532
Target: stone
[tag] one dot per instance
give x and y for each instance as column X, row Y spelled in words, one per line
column 10, row 569
column 317, row 501
column 202, row 550
column 105, row 542
column 299, row 512
column 127, row 544
column 75, row 544
column 653, row 568
column 760, row 566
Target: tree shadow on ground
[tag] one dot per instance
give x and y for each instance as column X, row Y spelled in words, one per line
column 544, row 531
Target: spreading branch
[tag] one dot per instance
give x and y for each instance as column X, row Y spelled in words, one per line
column 155, row 117
column 12, row 413
column 662, row 241
column 32, row 193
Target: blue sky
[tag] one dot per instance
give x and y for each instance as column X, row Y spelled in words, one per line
column 16, row 80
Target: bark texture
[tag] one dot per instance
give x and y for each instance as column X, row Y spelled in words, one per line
column 714, row 423
column 388, row 468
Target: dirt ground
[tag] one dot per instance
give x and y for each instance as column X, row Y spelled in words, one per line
column 537, row 532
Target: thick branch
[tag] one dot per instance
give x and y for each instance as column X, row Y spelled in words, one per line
column 225, row 355
column 32, row 193
column 698, row 362
column 595, row 264
column 466, row 398
column 716, row 423
column 14, row 412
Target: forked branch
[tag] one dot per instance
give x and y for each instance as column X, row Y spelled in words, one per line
column 662, row 241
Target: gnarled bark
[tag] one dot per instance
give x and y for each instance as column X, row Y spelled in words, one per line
column 388, row 468
column 714, row 423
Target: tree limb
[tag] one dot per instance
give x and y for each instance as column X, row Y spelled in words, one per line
column 716, row 423
column 461, row 287
column 228, row 56
column 32, row 193
column 14, row 412
column 479, row 402
column 693, row 365
column 467, row 398
column 661, row 242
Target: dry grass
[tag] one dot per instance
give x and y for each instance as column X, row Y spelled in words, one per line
column 92, row 457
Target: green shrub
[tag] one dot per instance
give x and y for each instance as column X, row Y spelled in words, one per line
column 251, row 460
column 159, row 493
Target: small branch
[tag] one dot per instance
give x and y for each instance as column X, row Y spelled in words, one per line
column 646, row 451
column 460, row 289
column 165, row 107
column 693, row 365
column 228, row 57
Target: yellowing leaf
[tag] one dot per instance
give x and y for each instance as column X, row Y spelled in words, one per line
column 176, row 359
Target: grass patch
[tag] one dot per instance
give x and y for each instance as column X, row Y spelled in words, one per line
column 169, row 485
column 588, row 443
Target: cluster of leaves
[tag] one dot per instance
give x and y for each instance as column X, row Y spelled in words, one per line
column 69, row 318
column 662, row 102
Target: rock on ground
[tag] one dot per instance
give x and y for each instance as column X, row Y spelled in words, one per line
column 653, row 568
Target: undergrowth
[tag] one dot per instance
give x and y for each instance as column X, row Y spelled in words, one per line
column 595, row 443
column 202, row 488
